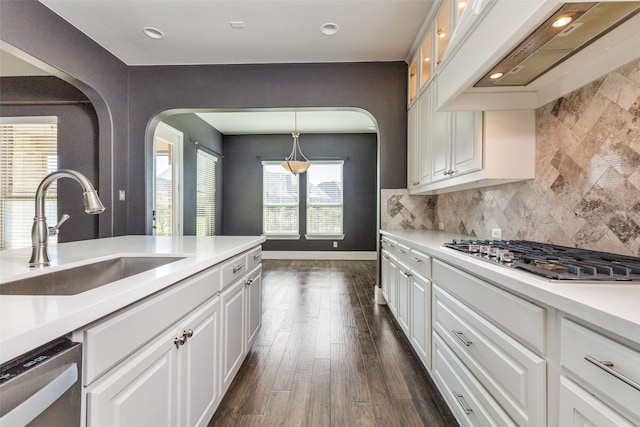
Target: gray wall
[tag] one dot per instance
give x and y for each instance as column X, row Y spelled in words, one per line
column 242, row 202
column 77, row 141
column 129, row 100
column 379, row 88
column 197, row 130
column 30, row 30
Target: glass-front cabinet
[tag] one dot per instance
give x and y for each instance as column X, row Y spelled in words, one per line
column 425, row 61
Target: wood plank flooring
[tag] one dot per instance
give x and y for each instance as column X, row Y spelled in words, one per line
column 327, row 355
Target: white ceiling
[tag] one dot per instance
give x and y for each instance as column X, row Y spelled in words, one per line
column 275, row 31
column 278, row 122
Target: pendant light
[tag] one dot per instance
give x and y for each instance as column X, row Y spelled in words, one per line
column 291, row 163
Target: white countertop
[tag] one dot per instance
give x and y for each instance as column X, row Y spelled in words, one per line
column 614, row 306
column 29, row 321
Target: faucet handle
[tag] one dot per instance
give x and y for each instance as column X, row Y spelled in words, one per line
column 53, row 231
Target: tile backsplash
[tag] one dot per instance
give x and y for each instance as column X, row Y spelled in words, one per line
column 587, row 187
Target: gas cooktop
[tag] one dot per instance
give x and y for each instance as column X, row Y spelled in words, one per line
column 552, row 261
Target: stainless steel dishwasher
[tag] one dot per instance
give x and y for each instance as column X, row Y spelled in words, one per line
column 43, row 387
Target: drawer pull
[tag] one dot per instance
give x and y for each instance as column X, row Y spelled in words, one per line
column 461, row 337
column 248, row 282
column 416, row 259
column 608, row 368
column 237, row 268
column 462, row 403
column 386, row 257
column 405, row 274
column 256, row 256
column 402, row 251
column 188, row 333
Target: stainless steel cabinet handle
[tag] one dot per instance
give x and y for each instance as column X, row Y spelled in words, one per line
column 188, row 333
column 461, row 337
column 416, row 183
column 178, row 341
column 386, row 257
column 608, row 368
column 256, row 256
column 462, row 403
column 416, row 259
column 449, row 172
column 406, row 274
column 402, row 251
column 248, row 282
column 238, row 268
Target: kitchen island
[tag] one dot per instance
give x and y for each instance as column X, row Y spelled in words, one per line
column 27, row 321
column 506, row 347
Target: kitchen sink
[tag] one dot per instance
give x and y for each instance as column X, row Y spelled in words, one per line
column 83, row 278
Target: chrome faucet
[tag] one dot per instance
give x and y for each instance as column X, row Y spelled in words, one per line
column 40, row 232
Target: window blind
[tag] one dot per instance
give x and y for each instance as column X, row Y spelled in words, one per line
column 324, row 198
column 280, row 198
column 28, row 153
column 205, row 194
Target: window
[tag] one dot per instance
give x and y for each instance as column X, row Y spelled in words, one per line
column 324, row 200
column 28, row 153
column 280, row 199
column 205, row 194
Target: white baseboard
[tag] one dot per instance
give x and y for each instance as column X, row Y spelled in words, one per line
column 322, row 255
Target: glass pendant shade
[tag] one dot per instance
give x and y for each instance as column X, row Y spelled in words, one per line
column 292, row 163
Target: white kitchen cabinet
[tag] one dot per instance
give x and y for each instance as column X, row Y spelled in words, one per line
column 404, row 289
column 171, row 381
column 233, row 331
column 607, row 369
column 421, row 317
column 385, row 271
column 253, row 304
column 198, row 360
column 413, row 163
column 579, row 408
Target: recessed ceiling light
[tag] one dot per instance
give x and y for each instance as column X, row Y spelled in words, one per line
column 236, row 25
column 153, row 33
column 562, row 22
column 496, row 76
column 329, row 28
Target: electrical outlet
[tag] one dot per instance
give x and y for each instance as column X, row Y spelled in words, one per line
column 496, row 233
column 335, row 244
column 121, row 195
column 441, row 226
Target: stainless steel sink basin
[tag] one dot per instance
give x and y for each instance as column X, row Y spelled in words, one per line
column 79, row 279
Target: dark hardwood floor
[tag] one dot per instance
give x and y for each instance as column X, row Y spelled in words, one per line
column 327, row 355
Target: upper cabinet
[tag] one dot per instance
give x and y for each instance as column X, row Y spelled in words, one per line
column 455, row 150
column 523, row 54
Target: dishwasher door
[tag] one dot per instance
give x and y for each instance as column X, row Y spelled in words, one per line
column 43, row 387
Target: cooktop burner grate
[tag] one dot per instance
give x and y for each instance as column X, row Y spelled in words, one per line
column 552, row 261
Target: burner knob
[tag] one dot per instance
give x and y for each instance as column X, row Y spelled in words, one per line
column 473, row 248
column 493, row 251
column 485, row 249
column 506, row 256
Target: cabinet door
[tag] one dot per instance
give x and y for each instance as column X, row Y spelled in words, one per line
column 384, row 274
column 199, row 362
column 140, row 392
column 581, row 409
column 413, row 162
column 440, row 143
column 425, row 134
column 421, row 317
column 233, row 330
column 393, row 284
column 466, row 144
column 404, row 275
column 253, row 304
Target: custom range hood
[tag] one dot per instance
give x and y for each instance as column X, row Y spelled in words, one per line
column 531, row 61
column 573, row 27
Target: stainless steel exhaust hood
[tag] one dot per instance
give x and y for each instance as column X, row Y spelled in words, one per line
column 571, row 28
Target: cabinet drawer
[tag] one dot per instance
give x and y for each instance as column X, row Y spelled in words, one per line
column 254, row 257
column 523, row 320
column 233, row 269
column 421, row 263
column 470, row 403
column 610, row 368
column 387, row 243
column 510, row 372
column 111, row 340
column 579, row 408
column 402, row 252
